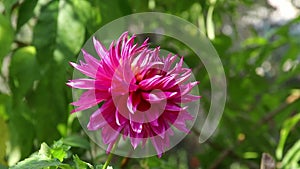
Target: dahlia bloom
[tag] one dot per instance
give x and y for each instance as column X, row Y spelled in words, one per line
column 142, row 93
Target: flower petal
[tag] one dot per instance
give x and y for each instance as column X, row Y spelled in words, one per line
column 100, row 49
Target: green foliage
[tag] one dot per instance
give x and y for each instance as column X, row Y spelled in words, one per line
column 53, row 157
column 292, row 156
column 26, row 11
column 6, row 36
column 39, row 37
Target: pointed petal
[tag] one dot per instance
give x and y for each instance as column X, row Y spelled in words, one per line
column 97, row 121
column 100, row 49
column 84, row 69
column 90, row 60
column 109, row 134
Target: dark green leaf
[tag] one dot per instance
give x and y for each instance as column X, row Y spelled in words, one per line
column 25, row 12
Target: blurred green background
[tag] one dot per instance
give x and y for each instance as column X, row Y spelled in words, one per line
column 257, row 41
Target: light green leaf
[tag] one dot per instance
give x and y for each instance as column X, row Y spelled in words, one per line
column 59, row 150
column 23, row 71
column 36, row 162
column 46, row 157
column 79, row 164
column 292, row 157
column 45, row 151
column 210, row 26
column 6, row 36
column 286, row 128
column 8, row 5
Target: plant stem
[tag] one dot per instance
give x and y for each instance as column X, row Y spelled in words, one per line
column 110, row 155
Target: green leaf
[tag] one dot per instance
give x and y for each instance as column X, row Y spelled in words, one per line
column 23, row 71
column 45, row 150
column 286, row 128
column 3, row 139
column 21, row 132
column 210, row 27
column 36, row 162
column 50, row 89
column 77, row 141
column 45, row 32
column 46, row 157
column 59, row 150
column 292, row 157
column 58, row 35
column 79, row 164
column 8, row 4
column 6, row 36
column 100, row 166
column 25, row 12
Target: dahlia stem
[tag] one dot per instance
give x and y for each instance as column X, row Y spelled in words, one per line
column 110, row 155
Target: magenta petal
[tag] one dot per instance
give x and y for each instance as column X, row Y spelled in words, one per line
column 136, row 127
column 130, row 105
column 90, row 60
column 159, row 130
column 187, row 88
column 154, row 123
column 82, row 107
column 100, row 49
column 154, row 96
column 187, row 98
column 82, row 83
column 172, row 107
column 109, row 134
column 135, row 141
column 181, row 126
column 84, row 69
column 86, row 98
column 158, row 144
column 183, row 78
column 97, row 121
column 120, row 120
column 149, row 83
column 142, row 93
column 104, row 114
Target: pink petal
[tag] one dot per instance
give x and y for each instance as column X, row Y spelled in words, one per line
column 158, row 144
column 90, row 60
column 84, row 69
column 159, row 130
column 97, row 121
column 90, row 97
column 102, row 116
column 100, row 49
column 87, row 84
column 82, row 83
column 135, row 141
column 109, row 134
column 136, row 127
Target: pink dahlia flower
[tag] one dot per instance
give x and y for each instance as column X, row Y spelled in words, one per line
column 142, row 93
